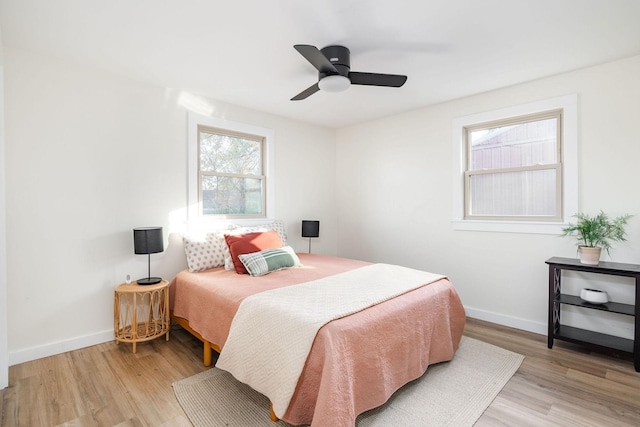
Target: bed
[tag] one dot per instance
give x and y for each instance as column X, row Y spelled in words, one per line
column 356, row 362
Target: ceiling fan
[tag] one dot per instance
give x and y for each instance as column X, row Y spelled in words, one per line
column 334, row 71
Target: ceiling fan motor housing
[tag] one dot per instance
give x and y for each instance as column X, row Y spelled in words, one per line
column 340, row 57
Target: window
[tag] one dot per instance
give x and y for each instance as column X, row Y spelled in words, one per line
column 229, row 169
column 516, row 168
column 513, row 169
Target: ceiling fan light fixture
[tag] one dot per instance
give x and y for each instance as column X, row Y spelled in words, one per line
column 334, row 83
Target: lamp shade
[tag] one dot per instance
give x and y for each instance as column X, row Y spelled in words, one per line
column 310, row 228
column 148, row 240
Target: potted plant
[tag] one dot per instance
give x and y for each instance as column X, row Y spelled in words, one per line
column 595, row 233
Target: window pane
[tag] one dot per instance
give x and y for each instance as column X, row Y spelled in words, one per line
column 527, row 193
column 231, row 196
column 522, row 144
column 230, row 154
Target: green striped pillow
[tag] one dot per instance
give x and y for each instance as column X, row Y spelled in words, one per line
column 268, row 260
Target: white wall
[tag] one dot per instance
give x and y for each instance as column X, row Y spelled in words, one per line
column 90, row 156
column 394, row 180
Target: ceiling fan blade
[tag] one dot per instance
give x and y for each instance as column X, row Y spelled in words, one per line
column 375, row 79
column 316, row 58
column 306, row 93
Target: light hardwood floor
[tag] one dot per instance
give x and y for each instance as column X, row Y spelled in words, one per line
column 107, row 385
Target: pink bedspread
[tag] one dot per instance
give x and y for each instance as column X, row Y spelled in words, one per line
column 356, row 362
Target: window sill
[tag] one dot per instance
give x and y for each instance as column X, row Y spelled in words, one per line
column 530, row 227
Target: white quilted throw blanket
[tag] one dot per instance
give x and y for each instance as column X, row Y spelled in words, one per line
column 272, row 332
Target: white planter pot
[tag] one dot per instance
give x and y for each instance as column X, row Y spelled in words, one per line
column 590, row 256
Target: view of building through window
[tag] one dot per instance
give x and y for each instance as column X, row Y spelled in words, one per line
column 514, row 169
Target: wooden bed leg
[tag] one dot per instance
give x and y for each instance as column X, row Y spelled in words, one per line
column 207, row 354
column 272, row 414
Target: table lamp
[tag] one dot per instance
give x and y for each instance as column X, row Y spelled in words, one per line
column 147, row 241
column 310, row 229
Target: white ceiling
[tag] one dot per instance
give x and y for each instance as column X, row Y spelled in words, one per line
column 242, row 51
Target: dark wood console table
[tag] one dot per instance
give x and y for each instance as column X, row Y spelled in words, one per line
column 595, row 340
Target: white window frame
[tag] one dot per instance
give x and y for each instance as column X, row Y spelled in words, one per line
column 556, row 167
column 194, row 209
column 569, row 106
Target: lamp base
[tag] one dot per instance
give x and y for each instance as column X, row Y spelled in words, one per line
column 149, row 281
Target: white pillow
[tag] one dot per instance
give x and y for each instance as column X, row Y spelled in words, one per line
column 204, row 250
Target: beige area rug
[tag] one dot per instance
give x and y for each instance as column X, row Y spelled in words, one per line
column 452, row 393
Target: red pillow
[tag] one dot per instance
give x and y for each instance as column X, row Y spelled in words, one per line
column 249, row 243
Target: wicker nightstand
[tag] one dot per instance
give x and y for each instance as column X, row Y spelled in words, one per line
column 141, row 313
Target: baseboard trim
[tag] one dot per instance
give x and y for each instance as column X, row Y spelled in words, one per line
column 512, row 322
column 51, row 349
